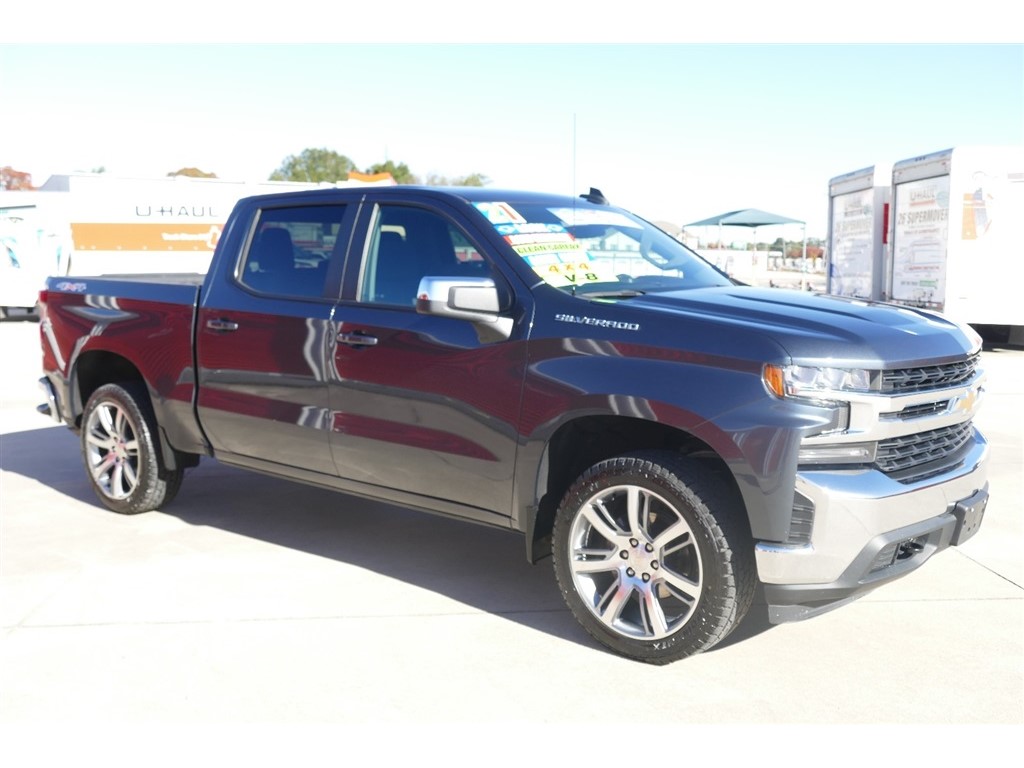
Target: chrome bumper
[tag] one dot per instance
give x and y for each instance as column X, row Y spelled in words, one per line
column 870, row 529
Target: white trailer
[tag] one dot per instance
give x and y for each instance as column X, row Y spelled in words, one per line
column 137, row 225
column 858, row 232
column 956, row 235
column 96, row 224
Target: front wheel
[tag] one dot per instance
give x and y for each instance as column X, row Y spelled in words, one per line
column 120, row 453
column 653, row 556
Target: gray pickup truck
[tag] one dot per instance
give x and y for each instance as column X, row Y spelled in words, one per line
column 551, row 365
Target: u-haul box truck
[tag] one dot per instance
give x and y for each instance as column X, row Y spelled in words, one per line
column 96, row 224
column 956, row 234
column 858, row 232
column 130, row 225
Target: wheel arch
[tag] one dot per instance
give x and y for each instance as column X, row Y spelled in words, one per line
column 95, row 368
column 586, row 440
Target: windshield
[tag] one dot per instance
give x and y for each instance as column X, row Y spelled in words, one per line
column 598, row 251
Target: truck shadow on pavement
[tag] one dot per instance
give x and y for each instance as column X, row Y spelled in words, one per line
column 481, row 567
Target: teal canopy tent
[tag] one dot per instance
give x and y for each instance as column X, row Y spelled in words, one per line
column 752, row 218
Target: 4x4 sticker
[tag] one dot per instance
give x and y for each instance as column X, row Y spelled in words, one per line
column 562, row 272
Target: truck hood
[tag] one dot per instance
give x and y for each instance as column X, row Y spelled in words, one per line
column 815, row 329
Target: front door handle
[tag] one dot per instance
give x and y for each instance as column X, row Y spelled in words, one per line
column 221, row 325
column 357, row 339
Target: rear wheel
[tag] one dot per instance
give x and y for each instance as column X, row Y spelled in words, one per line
column 120, row 453
column 653, row 556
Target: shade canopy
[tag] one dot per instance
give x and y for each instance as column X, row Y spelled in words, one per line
column 748, row 217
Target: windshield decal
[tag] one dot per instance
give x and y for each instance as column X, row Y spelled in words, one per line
column 581, row 216
column 539, row 237
column 527, row 229
column 500, row 213
column 563, row 270
column 529, row 248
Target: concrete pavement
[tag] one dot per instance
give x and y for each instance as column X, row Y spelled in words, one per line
column 253, row 600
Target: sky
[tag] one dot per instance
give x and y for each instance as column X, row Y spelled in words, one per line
column 676, row 131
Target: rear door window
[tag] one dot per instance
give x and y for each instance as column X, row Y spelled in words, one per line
column 290, row 250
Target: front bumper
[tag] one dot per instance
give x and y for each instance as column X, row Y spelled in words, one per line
column 868, row 530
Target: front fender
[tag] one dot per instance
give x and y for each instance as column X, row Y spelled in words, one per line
column 706, row 402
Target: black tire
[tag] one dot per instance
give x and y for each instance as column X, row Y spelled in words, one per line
column 122, row 460
column 653, row 556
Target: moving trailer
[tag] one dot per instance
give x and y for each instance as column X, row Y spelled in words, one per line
column 956, row 235
column 136, row 225
column 858, row 232
column 96, row 224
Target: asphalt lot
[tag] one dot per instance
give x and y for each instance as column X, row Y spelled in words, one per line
column 252, row 600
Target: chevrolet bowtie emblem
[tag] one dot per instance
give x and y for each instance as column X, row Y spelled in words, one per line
column 965, row 403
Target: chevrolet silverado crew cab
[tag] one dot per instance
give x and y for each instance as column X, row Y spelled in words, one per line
column 551, row 365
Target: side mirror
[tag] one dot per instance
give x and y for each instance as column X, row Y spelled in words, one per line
column 464, row 298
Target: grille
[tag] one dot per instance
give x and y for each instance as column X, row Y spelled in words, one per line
column 929, row 377
column 910, row 451
column 917, row 411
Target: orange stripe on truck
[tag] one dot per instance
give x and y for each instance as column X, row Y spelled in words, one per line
column 145, row 237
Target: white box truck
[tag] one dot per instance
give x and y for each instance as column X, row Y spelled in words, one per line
column 140, row 225
column 858, row 232
column 955, row 235
column 96, row 224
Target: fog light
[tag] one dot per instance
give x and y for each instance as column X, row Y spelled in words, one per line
column 885, row 558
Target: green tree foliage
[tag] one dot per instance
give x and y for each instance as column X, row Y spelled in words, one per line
column 794, row 249
column 473, row 180
column 314, row 165
column 400, row 172
column 327, row 165
column 194, row 173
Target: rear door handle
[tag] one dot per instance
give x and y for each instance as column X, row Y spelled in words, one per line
column 357, row 339
column 221, row 325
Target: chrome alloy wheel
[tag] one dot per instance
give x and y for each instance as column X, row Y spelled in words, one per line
column 112, row 449
column 635, row 562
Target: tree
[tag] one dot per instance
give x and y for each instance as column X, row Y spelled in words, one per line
column 473, row 180
column 194, row 173
column 12, row 179
column 314, row 165
column 400, row 173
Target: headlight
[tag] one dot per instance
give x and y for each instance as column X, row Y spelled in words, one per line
column 816, row 384
column 973, row 337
